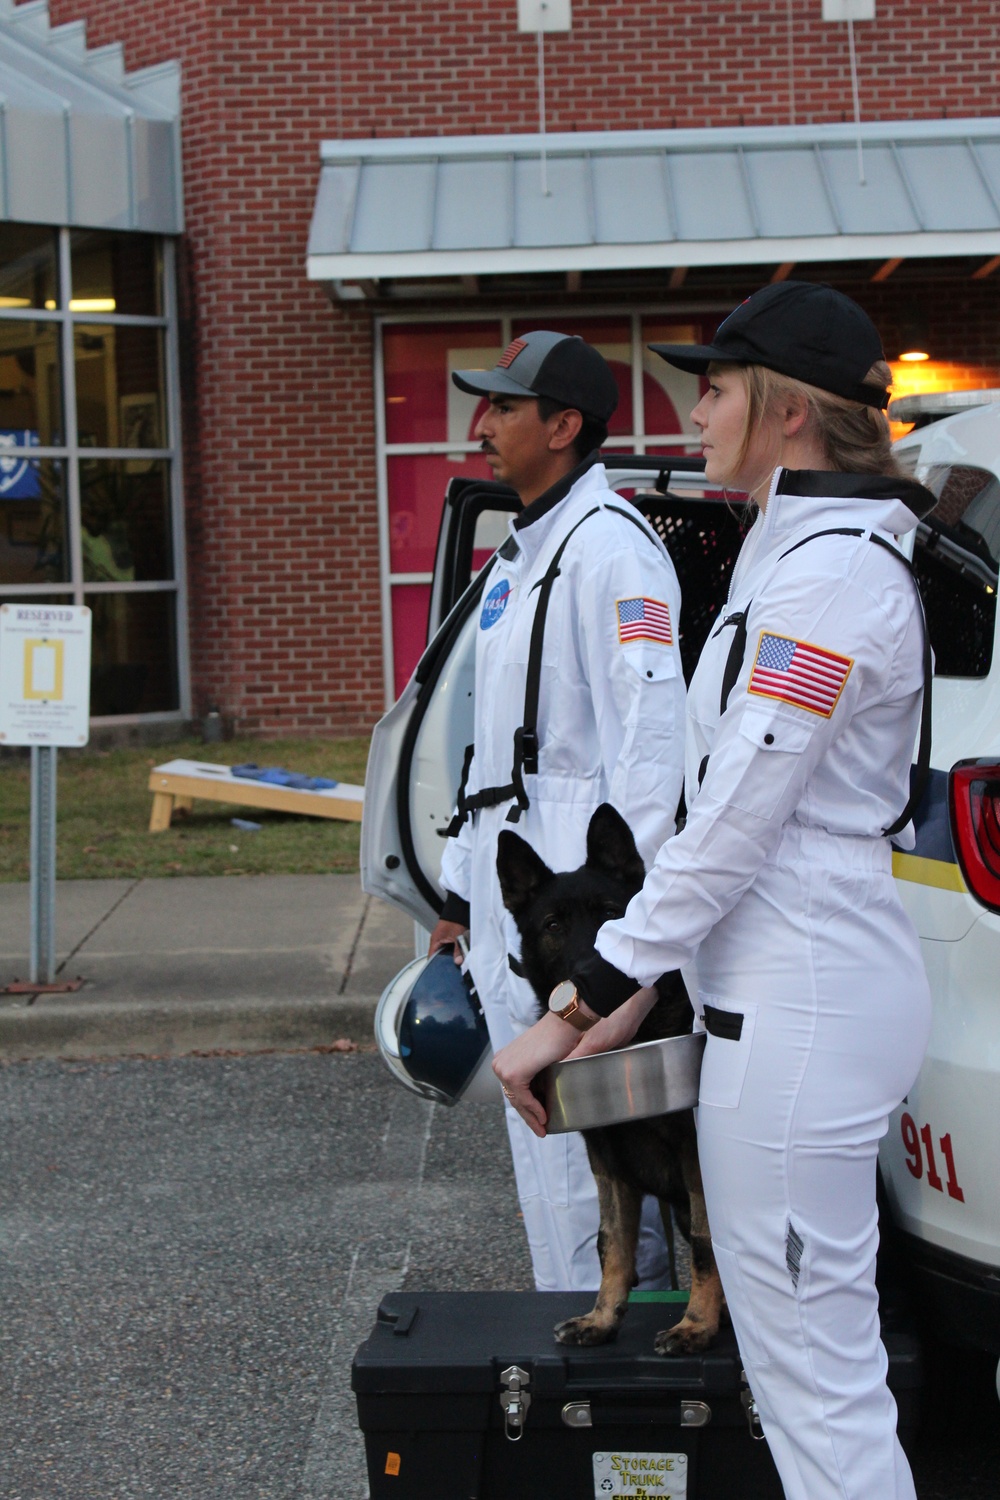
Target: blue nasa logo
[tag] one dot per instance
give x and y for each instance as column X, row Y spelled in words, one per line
column 494, row 604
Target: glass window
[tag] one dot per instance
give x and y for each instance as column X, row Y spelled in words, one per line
column 422, row 405
column 133, row 658
column 119, row 386
column 32, row 520
column 410, row 608
column 956, row 560
column 125, row 519
column 28, row 262
column 492, row 530
column 115, row 273
column 669, row 394
column 30, row 390
column 417, row 485
column 120, row 507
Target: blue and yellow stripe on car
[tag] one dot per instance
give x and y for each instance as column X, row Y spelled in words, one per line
column 932, row 861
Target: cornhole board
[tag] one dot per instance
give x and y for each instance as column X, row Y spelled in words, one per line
column 178, row 783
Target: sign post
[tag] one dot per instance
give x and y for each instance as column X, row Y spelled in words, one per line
column 44, row 703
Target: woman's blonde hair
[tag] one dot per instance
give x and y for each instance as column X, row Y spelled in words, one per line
column 855, row 439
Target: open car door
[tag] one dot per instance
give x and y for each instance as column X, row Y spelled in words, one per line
column 417, row 750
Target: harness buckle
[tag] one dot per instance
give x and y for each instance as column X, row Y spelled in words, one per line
column 527, row 744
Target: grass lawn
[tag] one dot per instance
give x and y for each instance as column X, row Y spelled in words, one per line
column 103, row 810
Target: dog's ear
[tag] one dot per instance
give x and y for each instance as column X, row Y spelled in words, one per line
column 522, row 873
column 611, row 848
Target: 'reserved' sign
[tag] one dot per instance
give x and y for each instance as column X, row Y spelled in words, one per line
column 44, row 674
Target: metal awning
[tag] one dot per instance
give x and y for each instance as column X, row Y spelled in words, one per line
column 82, row 142
column 474, row 205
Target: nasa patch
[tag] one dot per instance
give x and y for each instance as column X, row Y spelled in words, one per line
column 494, row 604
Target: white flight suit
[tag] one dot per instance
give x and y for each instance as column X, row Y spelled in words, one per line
column 611, row 729
column 780, row 887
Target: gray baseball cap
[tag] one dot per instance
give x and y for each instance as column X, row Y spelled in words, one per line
column 558, row 365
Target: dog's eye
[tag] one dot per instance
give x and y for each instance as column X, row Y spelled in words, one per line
column 552, row 924
column 612, row 913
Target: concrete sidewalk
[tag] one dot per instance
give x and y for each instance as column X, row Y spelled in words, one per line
column 188, row 964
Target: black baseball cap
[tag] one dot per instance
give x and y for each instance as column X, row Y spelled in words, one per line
column 558, row 365
column 803, row 329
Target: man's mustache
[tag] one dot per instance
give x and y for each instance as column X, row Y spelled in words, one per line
column 485, row 447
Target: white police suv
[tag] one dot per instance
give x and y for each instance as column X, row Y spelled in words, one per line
column 940, row 1162
column 941, row 1158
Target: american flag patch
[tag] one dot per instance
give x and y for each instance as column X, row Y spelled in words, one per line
column 511, row 352
column 796, row 672
column 644, row 620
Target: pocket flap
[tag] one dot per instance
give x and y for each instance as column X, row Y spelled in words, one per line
column 771, row 731
column 652, row 662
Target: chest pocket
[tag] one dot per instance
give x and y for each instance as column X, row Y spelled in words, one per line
column 759, row 765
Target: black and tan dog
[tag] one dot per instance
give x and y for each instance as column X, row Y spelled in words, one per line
column 558, row 916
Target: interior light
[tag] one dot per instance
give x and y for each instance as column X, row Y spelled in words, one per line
column 84, row 304
column 914, row 338
column 394, row 400
column 15, row 301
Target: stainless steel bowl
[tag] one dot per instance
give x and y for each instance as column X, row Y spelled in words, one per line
column 651, row 1078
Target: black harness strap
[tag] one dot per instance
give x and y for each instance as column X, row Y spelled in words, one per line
column 462, row 808
column 526, row 737
column 737, row 651
column 922, row 769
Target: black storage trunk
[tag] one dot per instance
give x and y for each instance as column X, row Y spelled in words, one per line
column 601, row 1422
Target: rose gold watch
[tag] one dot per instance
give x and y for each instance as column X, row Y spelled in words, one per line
column 564, row 1002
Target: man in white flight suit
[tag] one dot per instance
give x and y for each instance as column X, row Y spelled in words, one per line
column 610, row 725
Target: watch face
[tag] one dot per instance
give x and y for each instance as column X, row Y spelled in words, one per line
column 562, row 996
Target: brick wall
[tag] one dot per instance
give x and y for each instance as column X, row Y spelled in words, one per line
column 278, row 420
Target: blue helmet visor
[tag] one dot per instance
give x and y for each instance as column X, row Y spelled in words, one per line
column 442, row 1031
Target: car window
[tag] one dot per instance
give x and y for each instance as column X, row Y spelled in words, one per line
column 491, row 533
column 956, row 559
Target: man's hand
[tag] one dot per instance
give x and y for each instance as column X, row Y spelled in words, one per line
column 517, row 1064
column 618, row 1029
column 446, row 935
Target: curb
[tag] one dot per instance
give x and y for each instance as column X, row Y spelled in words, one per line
column 78, row 1029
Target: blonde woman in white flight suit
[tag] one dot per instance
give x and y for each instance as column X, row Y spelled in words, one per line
column 810, row 981
column 610, row 722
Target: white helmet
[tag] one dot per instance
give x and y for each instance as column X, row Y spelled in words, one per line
column 431, row 1032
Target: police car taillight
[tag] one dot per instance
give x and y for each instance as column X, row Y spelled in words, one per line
column 975, row 826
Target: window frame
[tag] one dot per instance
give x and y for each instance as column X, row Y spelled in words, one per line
column 77, row 590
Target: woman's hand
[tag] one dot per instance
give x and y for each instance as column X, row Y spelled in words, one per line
column 618, row 1029
column 517, row 1064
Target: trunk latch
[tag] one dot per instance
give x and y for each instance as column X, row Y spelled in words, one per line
column 515, row 1401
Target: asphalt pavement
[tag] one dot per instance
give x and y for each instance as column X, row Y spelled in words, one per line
column 198, row 964
column 191, row 1250
column 192, row 1247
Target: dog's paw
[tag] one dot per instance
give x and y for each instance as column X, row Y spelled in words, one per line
column 685, row 1337
column 586, row 1330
